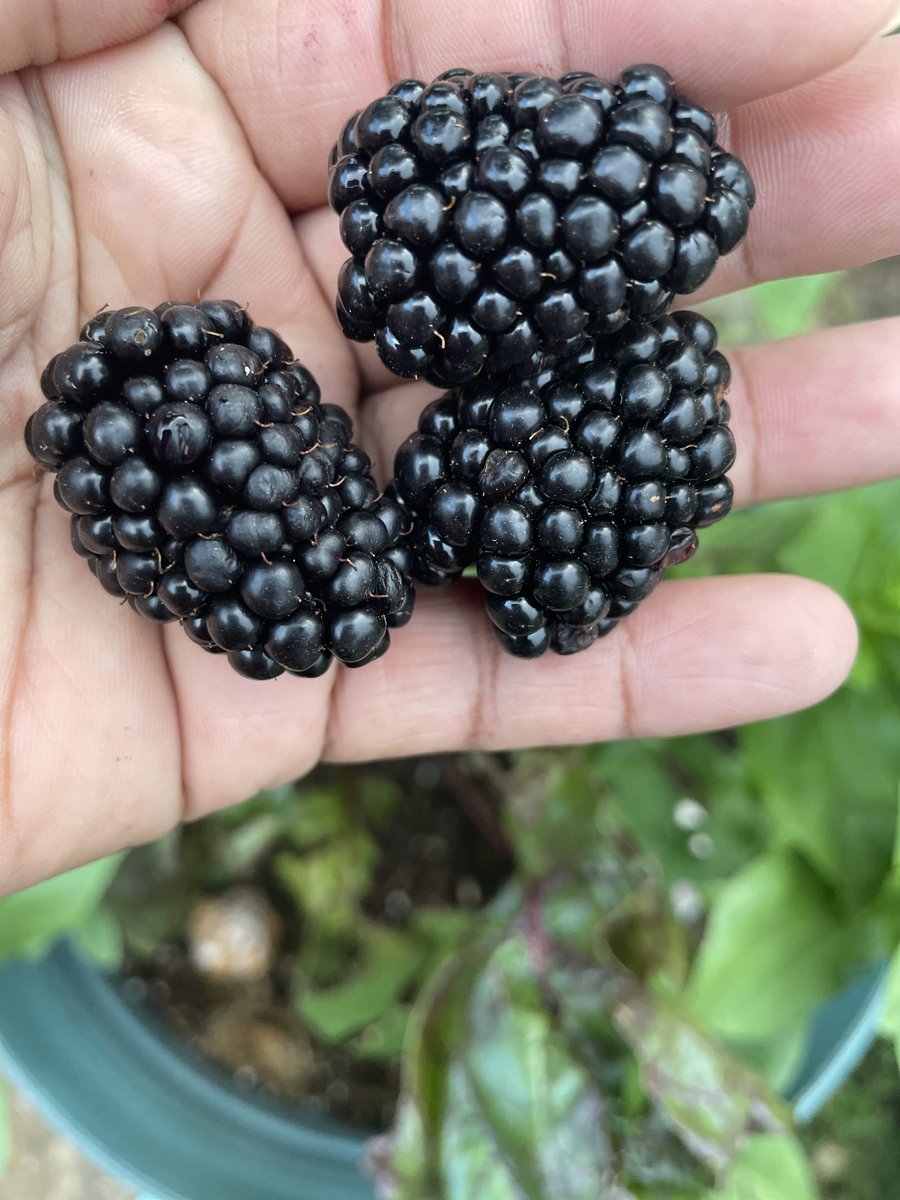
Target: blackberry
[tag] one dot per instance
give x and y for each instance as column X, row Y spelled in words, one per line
column 496, row 221
column 570, row 491
column 208, row 484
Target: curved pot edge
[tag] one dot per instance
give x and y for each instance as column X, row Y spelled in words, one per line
column 189, row 1131
column 842, row 1033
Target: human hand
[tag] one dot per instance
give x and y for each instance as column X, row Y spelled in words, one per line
column 166, row 164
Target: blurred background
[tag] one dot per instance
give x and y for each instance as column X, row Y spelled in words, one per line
column 748, row 873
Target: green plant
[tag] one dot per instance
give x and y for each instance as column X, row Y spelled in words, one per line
column 555, row 1056
column 71, row 904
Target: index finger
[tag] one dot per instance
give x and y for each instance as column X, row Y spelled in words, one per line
column 293, row 75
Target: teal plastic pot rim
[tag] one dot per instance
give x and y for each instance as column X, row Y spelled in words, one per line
column 842, row 1033
column 108, row 1073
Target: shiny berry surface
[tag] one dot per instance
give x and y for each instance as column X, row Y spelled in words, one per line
column 498, row 222
column 571, row 491
column 208, row 484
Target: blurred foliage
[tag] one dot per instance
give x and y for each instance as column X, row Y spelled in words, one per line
column 779, row 309
column 540, row 1064
column 853, row 1143
column 771, row 1166
column 612, row 1023
column 33, row 920
column 318, row 850
column 793, row 950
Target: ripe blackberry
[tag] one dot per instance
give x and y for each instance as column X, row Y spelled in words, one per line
column 208, row 484
column 570, row 491
column 496, row 221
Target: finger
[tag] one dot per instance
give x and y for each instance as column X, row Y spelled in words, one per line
column 699, row 654
column 323, row 61
column 254, row 735
column 723, row 51
column 42, row 31
column 168, row 203
column 809, row 417
column 809, row 414
column 826, row 160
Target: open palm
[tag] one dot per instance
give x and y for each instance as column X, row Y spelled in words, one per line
column 164, row 150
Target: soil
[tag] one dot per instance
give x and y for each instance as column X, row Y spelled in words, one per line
column 443, row 847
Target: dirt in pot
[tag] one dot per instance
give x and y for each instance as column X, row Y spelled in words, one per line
column 288, row 938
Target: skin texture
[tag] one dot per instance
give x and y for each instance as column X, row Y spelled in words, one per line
column 155, row 150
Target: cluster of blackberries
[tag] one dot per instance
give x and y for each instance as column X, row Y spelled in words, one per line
column 517, row 238
column 570, row 491
column 208, row 484
column 496, row 222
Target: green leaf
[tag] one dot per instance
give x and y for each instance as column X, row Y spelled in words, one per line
column 276, row 801
column 100, row 939
column 391, row 962
column 384, row 1038
column 895, row 855
column 519, row 1089
column 329, row 883
column 319, row 816
column 155, row 890
column 496, row 1105
column 378, row 799
column 328, row 812
column 828, row 779
column 787, row 307
column 778, row 1057
column 5, row 1131
column 445, row 932
column 551, row 814
column 475, row 1161
column 538, row 1067
column 654, row 1162
column 409, row 1169
column 149, row 926
column 770, row 1167
column 644, row 781
column 890, row 1017
column 470, row 1163
column 710, row 1098
column 773, row 950
column 242, row 846
column 33, row 920
column 399, row 1161
column 828, row 548
column 891, row 887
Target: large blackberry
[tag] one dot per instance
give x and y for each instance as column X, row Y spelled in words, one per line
column 208, row 484
column 570, row 491
column 495, row 221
